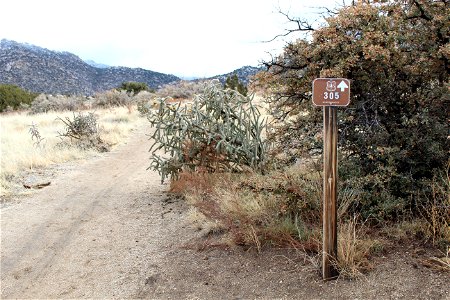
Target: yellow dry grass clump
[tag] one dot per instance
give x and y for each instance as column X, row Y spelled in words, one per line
column 354, row 248
column 21, row 152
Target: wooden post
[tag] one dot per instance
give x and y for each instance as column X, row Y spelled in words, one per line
column 330, row 93
column 330, row 134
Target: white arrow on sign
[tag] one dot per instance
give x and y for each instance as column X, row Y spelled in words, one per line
column 342, row 85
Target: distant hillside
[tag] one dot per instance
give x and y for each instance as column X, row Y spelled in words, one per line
column 44, row 71
column 244, row 74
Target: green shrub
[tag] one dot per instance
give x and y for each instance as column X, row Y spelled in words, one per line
column 220, row 130
column 232, row 82
column 14, row 97
column 134, row 87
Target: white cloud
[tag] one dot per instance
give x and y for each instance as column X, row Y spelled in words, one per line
column 197, row 37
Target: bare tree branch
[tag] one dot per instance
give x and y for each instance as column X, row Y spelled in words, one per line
column 330, row 12
column 302, row 25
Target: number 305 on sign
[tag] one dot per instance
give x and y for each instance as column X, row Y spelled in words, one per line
column 330, row 96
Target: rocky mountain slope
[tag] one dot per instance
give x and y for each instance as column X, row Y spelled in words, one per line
column 41, row 70
column 244, row 74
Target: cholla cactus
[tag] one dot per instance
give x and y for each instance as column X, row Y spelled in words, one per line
column 83, row 132
column 220, row 130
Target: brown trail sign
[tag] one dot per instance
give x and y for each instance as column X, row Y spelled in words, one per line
column 330, row 93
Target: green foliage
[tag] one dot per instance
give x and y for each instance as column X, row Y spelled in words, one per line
column 232, row 82
column 14, row 97
column 134, row 87
column 220, row 130
column 394, row 134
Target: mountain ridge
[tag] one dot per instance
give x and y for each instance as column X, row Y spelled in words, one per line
column 42, row 70
column 45, row 71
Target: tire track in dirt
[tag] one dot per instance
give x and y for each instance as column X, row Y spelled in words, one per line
column 54, row 242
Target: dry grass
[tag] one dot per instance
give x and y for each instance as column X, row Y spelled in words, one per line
column 19, row 152
column 277, row 209
column 432, row 225
column 354, row 248
column 283, row 209
column 437, row 210
column 204, row 224
column 405, row 230
column 438, row 263
column 280, row 209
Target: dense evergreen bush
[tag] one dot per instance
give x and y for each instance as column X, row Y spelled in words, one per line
column 12, row 96
column 394, row 134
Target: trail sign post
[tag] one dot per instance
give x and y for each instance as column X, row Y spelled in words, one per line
column 330, row 93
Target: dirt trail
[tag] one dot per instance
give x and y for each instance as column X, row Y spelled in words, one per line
column 107, row 230
column 95, row 232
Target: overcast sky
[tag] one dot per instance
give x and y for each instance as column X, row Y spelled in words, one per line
column 188, row 38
